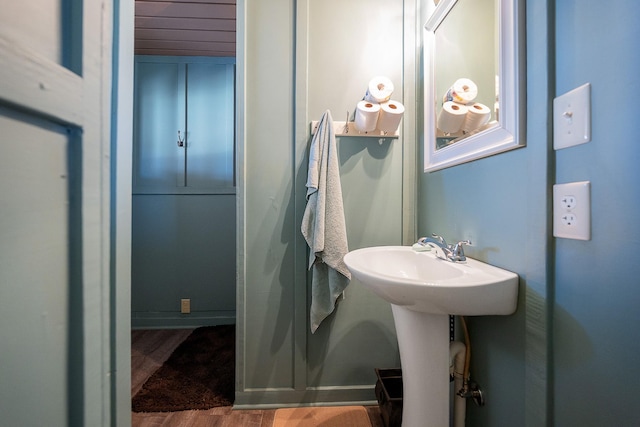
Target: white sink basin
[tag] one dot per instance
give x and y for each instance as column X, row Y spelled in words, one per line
column 422, row 282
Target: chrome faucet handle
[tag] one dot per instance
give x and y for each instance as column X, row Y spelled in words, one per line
column 457, row 251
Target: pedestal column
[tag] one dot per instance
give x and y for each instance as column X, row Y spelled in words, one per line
column 423, row 340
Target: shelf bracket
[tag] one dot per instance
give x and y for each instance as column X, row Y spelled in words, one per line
column 349, row 129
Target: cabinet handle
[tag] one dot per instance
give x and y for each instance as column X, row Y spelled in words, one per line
column 180, row 141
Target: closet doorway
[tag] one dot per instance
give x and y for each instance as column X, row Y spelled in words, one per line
column 183, row 262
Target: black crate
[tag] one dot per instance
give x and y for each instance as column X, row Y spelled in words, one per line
column 389, row 395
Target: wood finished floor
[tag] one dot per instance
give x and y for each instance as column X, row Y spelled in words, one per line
column 150, row 348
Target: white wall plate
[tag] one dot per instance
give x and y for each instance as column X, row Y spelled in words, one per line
column 572, row 210
column 572, row 118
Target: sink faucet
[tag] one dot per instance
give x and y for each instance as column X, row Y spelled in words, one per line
column 453, row 253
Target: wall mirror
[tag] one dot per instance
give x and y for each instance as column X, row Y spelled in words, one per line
column 473, row 88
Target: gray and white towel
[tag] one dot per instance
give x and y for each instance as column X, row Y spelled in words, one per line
column 323, row 224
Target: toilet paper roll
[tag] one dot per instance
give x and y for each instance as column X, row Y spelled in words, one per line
column 477, row 115
column 379, row 90
column 463, row 91
column 366, row 116
column 451, row 117
column 391, row 113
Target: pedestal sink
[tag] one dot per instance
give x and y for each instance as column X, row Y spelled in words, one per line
column 423, row 291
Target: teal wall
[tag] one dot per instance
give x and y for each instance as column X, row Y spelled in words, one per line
column 296, row 60
column 500, row 203
column 563, row 358
column 183, row 246
column 597, row 282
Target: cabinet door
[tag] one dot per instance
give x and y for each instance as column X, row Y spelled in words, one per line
column 210, row 124
column 158, row 160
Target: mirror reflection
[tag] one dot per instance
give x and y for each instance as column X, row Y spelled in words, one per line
column 473, row 54
column 466, row 71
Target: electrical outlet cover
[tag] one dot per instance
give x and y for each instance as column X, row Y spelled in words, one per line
column 572, row 210
column 185, row 305
column 572, row 117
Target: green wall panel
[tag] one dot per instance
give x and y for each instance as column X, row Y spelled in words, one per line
column 293, row 72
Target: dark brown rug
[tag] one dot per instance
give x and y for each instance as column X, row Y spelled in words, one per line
column 199, row 374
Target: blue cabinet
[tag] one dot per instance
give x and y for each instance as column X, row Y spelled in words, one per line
column 184, row 125
column 183, row 208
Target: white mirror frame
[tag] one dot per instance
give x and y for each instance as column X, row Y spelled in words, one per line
column 508, row 134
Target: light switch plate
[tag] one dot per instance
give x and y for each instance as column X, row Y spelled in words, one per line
column 572, row 117
column 572, row 210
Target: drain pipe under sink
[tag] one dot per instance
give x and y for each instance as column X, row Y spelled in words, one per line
column 457, row 357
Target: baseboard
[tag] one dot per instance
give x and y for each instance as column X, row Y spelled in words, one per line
column 160, row 320
column 325, row 396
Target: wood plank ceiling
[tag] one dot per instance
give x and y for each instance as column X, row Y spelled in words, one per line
column 185, row 27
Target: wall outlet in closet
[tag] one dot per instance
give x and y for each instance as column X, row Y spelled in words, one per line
column 185, row 305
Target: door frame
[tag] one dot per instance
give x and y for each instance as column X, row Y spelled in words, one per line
column 120, row 210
